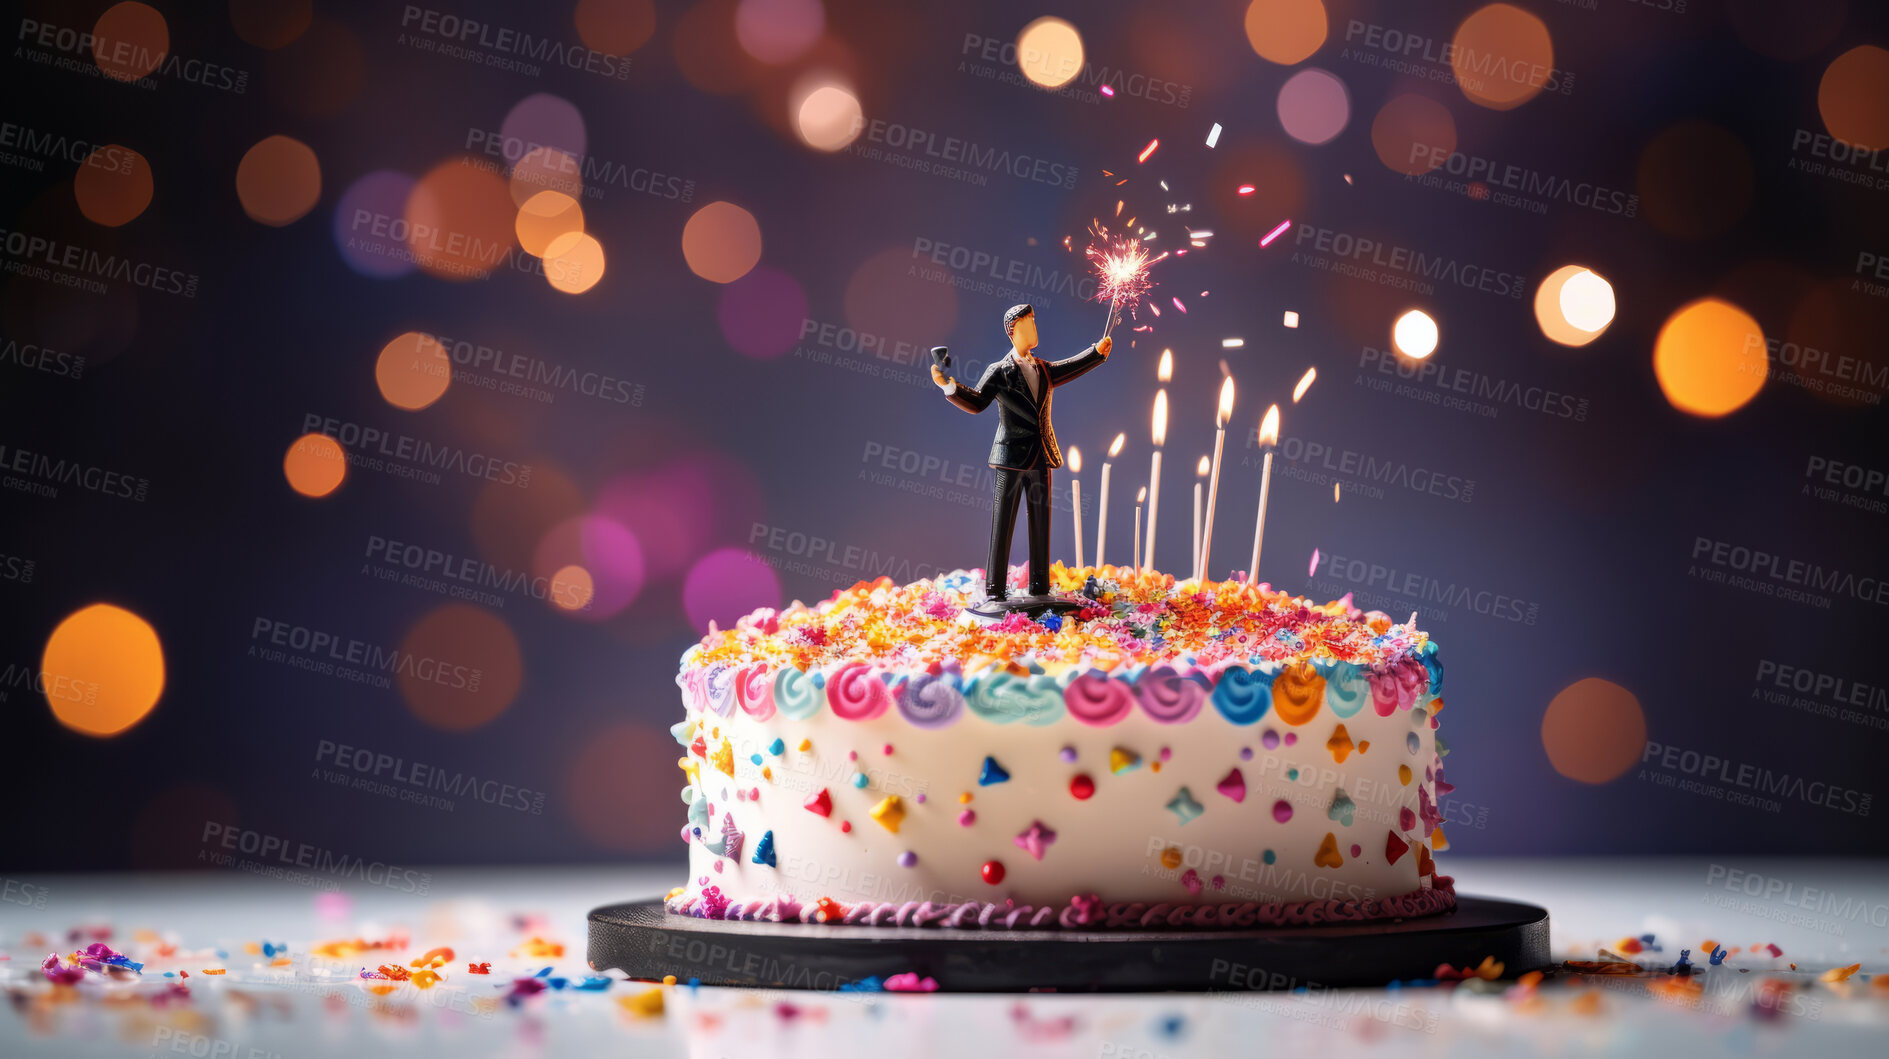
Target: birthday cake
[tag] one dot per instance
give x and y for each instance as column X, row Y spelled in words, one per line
column 1170, row 755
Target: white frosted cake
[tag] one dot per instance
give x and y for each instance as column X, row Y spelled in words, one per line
column 1172, row 755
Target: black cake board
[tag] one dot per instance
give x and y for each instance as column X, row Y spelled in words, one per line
column 643, row 940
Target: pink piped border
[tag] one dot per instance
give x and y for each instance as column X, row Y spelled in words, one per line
column 1081, row 913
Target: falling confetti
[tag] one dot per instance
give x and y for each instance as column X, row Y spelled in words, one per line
column 1233, row 343
column 1267, row 239
column 1245, row 189
column 1305, row 383
column 1107, row 91
column 1148, row 150
column 1292, row 318
column 1213, row 135
column 1313, row 569
column 1334, row 499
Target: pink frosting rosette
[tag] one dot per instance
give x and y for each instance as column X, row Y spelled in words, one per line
column 694, row 696
column 1413, row 682
column 1169, row 697
column 754, row 690
column 1395, row 690
column 856, row 693
column 1094, row 699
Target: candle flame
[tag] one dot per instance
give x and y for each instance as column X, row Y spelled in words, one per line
column 1305, row 383
column 1269, row 427
column 1334, row 492
column 1226, row 403
column 1115, row 447
column 1160, row 418
column 1075, row 460
column 1205, row 466
column 1165, row 372
column 1141, row 495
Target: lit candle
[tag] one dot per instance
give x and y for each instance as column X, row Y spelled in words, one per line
column 1101, row 517
column 1075, row 497
column 1154, row 473
column 1268, row 440
column 1199, row 473
column 1139, row 497
column 1224, row 413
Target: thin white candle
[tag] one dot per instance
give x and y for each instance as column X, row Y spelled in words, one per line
column 1139, row 497
column 1075, row 498
column 1199, row 473
column 1268, row 440
column 1160, row 433
column 1221, row 415
column 1101, row 517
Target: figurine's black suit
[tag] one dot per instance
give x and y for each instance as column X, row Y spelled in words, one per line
column 1023, row 454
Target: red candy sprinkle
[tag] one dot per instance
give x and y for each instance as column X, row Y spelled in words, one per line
column 845, row 826
column 993, row 872
column 1082, row 787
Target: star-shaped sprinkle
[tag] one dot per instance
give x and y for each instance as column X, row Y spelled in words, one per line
column 821, row 803
column 1233, row 786
column 1184, row 806
column 764, row 849
column 991, row 773
column 1035, row 839
column 889, row 812
column 1120, row 761
column 1342, row 808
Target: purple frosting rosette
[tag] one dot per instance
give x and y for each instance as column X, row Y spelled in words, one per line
column 1169, row 697
column 929, row 701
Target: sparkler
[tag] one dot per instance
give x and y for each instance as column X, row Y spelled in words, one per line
column 1121, row 270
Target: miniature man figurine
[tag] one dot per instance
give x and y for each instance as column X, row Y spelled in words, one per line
column 1025, row 449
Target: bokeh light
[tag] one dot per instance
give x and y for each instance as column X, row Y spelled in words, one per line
column 1413, row 134
column 1853, row 97
column 608, row 554
column 113, row 186
column 1314, row 106
column 707, row 53
column 271, row 24
column 573, row 263
column 369, row 226
column 474, row 667
column 130, row 40
column 544, row 120
column 1593, row 731
column 544, row 217
column 572, row 587
column 761, row 313
column 1694, row 180
column 1573, row 306
column 459, row 221
column 1414, row 334
column 828, row 116
column 320, row 74
column 413, row 371
column 1787, row 32
column 884, row 298
column 727, row 584
column 1502, row 57
column 776, row 31
column 103, row 670
column 1049, row 52
column 1710, row 358
column 615, row 27
column 721, row 242
column 545, row 169
column 315, row 465
column 679, row 509
column 1285, row 31
column 623, row 764
column 278, row 181
column 508, row 524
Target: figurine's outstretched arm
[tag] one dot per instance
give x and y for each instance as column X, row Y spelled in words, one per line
column 971, row 399
column 1061, row 371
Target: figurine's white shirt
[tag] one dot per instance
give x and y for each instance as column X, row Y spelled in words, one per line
column 1032, row 375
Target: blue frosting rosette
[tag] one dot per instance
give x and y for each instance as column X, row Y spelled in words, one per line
column 1006, row 698
column 1243, row 695
column 1347, row 689
column 796, row 694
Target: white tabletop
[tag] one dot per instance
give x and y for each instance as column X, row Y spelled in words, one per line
column 1820, row 915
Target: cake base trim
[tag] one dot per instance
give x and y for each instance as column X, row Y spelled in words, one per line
column 1085, row 912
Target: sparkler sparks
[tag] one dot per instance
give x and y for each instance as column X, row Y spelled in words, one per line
column 1121, row 270
column 1146, row 151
